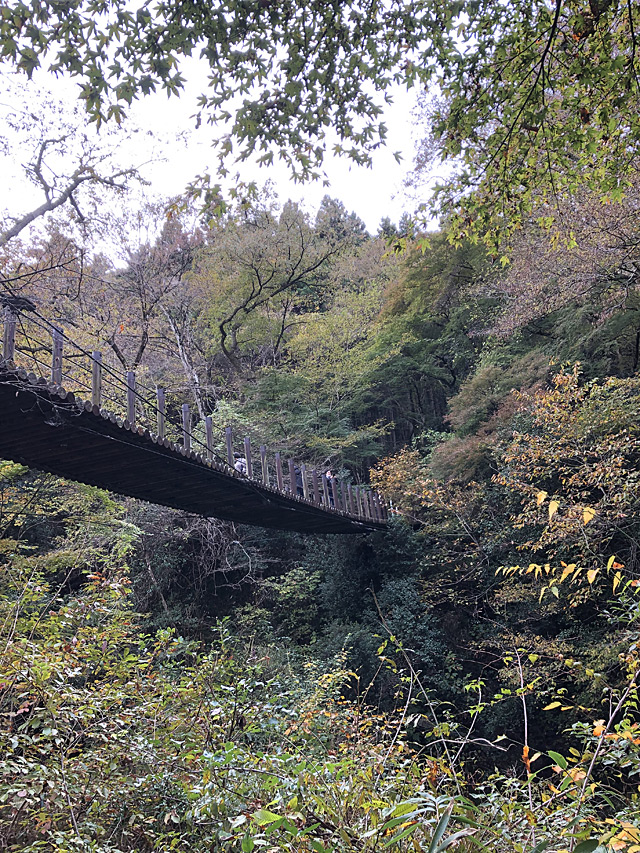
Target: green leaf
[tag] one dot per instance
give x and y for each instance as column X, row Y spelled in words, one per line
column 441, row 828
column 263, row 817
column 560, row 760
column 403, row 809
column 587, row 846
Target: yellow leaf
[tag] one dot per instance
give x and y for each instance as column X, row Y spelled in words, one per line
column 566, row 572
column 551, row 706
column 591, row 575
column 541, row 497
column 616, row 580
column 553, row 508
column 588, row 514
column 611, row 561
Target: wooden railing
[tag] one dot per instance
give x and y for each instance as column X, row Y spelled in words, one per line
column 41, row 347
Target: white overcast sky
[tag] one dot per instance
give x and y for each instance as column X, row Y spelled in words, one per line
column 181, row 152
column 372, row 193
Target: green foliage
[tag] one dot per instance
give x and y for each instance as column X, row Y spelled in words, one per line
column 534, row 100
column 535, row 105
column 118, row 740
column 469, row 678
column 306, row 77
column 481, row 398
column 294, row 602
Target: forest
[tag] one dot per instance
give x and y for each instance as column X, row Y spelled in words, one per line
column 467, row 679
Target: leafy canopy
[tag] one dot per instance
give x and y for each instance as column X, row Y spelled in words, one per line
column 535, row 98
column 538, row 100
column 281, row 72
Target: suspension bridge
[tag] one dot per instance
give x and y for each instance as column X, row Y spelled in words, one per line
column 64, row 410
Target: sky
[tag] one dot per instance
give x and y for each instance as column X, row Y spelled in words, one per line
column 178, row 153
column 373, row 193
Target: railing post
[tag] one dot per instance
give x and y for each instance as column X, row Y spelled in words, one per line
column 186, row 428
column 342, row 487
column 334, row 492
column 316, row 486
column 228, row 434
column 370, row 510
column 56, row 357
column 161, row 406
column 279, row 476
column 375, row 507
column 367, row 504
column 325, row 490
column 96, row 378
column 385, row 508
column 9, row 341
column 292, row 478
column 208, row 426
column 349, row 499
column 358, row 500
column 131, row 397
column 265, row 466
column 305, row 481
column 247, row 455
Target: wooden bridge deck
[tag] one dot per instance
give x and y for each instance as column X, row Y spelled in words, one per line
column 45, row 427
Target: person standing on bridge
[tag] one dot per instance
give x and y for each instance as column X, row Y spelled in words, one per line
column 240, row 463
column 330, row 478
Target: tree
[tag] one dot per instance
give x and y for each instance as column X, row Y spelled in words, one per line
column 290, row 67
column 575, row 472
column 68, row 164
column 585, row 252
column 536, row 101
column 428, row 328
column 534, row 98
column 133, row 304
column 263, row 266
